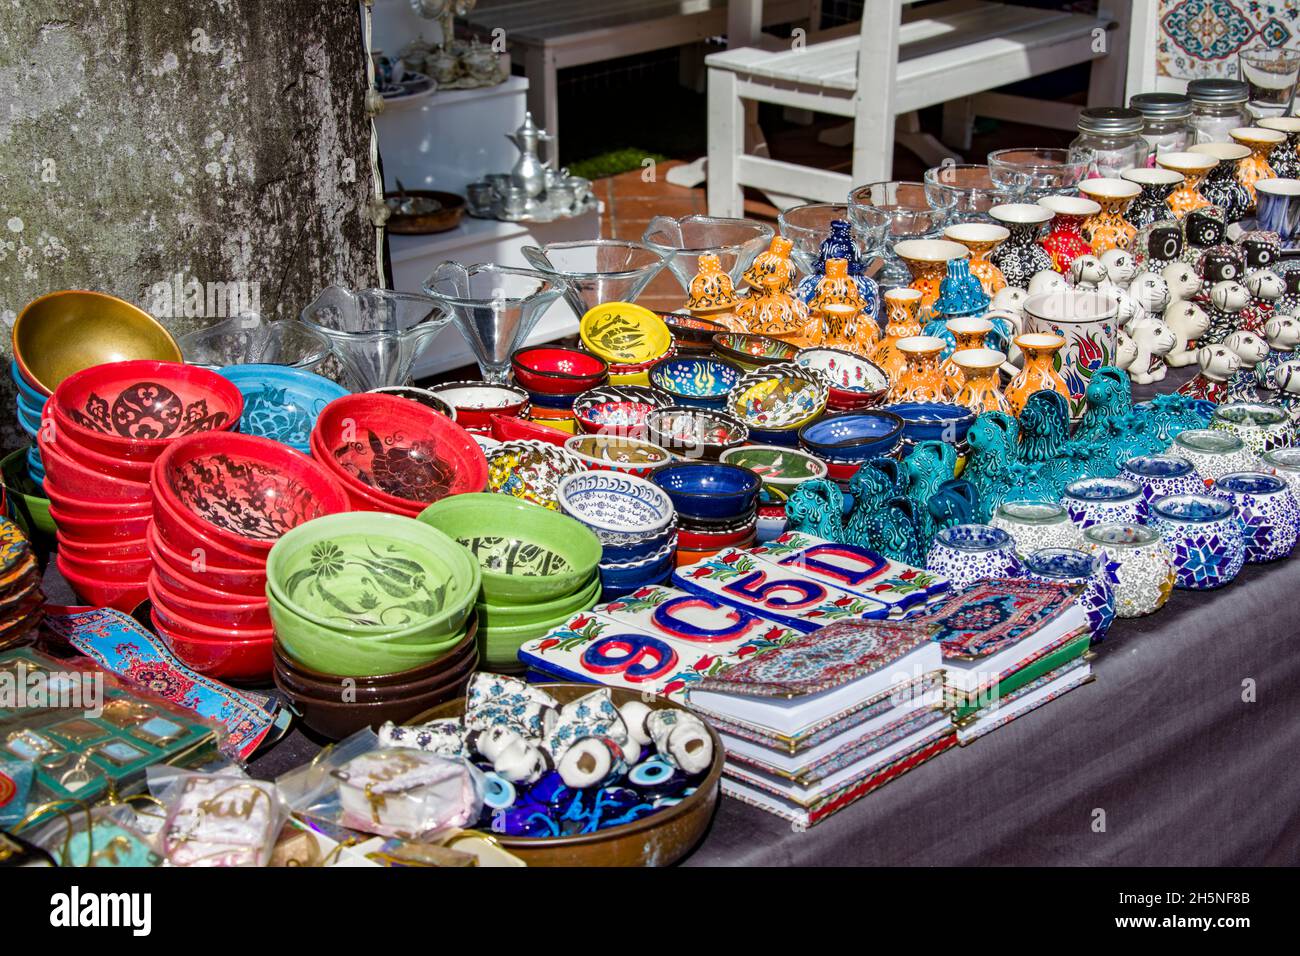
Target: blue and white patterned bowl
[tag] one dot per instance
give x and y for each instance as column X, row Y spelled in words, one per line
column 632, row 517
column 1161, row 475
column 617, row 579
column 1091, row 501
column 855, row 437
column 1072, row 566
column 969, row 553
column 281, row 402
column 1204, row 535
column 1267, row 509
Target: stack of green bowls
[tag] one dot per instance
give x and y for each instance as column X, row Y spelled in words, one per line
column 539, row 568
column 362, row 594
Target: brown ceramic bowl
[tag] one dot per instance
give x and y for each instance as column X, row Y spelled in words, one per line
column 335, row 720
column 414, row 675
column 333, row 688
column 660, row 839
column 447, row 215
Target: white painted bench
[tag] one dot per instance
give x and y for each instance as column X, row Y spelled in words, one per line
column 893, row 63
column 550, row 35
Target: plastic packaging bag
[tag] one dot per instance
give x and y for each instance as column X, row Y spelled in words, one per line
column 217, row 819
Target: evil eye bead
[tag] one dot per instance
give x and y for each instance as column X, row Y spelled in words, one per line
column 651, row 773
column 498, row 792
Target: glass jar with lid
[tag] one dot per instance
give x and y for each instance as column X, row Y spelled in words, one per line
column 1110, row 141
column 1218, row 107
column 1166, row 121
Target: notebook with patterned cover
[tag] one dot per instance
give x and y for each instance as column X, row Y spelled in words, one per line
column 980, row 621
column 1044, row 689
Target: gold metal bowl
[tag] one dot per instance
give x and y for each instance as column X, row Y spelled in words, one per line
column 64, row 332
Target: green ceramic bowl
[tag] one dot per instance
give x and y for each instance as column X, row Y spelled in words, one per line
column 26, row 506
column 529, row 554
column 341, row 655
column 376, row 577
column 501, row 644
column 516, row 615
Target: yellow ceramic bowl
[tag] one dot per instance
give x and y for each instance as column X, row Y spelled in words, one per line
column 624, row 334
column 64, row 332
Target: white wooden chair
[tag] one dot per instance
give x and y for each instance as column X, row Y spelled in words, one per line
column 935, row 54
column 550, row 35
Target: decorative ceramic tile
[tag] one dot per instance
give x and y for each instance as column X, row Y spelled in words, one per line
column 742, row 580
column 856, row 570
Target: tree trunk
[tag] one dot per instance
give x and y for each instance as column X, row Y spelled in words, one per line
column 218, row 149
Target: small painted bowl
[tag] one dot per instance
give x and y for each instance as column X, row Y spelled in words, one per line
column 616, row 409
column 1091, row 501
column 782, row 469
column 1035, row 525
column 549, row 404
column 779, row 396
column 477, row 402
column 853, row 438
column 1269, row 514
column 553, row 370
column 1261, row 427
column 1204, row 536
column 531, row 471
column 281, row 402
column 709, row 492
column 966, row 554
column 933, row 421
column 506, row 428
column 854, row 381
column 421, row 395
column 1161, row 475
column 622, row 578
column 631, row 456
column 1213, row 452
column 616, row 507
column 1072, row 566
column 624, row 333
column 712, row 538
column 697, row 380
column 751, row 351
column 691, row 333
column 695, row 432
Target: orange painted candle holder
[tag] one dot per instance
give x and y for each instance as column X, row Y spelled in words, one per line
column 968, row 333
column 1108, row 229
column 1039, row 371
column 981, row 238
column 927, row 260
column 1193, row 166
column 921, row 379
column 773, row 269
column 979, row 391
column 1255, row 167
column 902, row 320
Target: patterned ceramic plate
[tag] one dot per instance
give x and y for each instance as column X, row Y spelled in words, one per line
column 624, row 333
column 780, row 395
column 844, row 370
column 531, row 470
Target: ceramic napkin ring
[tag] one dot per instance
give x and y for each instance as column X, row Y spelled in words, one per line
column 592, row 715
column 591, row 761
column 514, row 758
column 681, row 738
column 445, row 737
column 494, row 700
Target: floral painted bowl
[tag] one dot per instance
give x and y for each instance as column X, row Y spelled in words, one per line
column 697, row 380
column 477, row 402
column 553, row 370
column 528, row 554
column 853, row 437
column 695, row 432
column 632, row 517
column 281, row 402
column 782, row 469
column 421, row 395
column 782, row 395
column 710, row 491
column 131, row 410
column 374, row 576
column 691, row 333
column 624, row 334
column 611, row 453
column 531, row 471
column 397, row 450
column 854, row 382
column 616, row 409
column 243, row 490
column 751, row 351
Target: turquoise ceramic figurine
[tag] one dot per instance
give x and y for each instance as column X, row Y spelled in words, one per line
column 961, row 294
column 992, row 439
column 880, row 519
column 1044, row 426
column 955, row 502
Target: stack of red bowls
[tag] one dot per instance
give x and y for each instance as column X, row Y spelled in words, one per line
column 101, row 434
column 554, row 377
column 395, row 456
column 220, row 502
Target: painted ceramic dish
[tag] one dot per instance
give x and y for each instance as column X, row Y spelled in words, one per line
column 781, row 469
column 623, row 333
column 281, row 402
column 527, row 553
column 62, row 333
column 245, row 490
column 853, row 437
column 611, row 453
column 933, row 421
column 553, row 370
column 132, row 409
column 421, row 395
column 710, row 491
column 395, row 449
column 620, row 504
column 617, row 409
column 531, row 471
column 778, row 396
column 751, row 351
column 696, row 380
column 371, row 575
column 691, row 332
column 477, row 402
column 506, row 429
column 695, row 432
column 845, row 371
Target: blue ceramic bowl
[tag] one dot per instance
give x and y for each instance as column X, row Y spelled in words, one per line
column 26, row 391
column 854, row 437
column 29, row 423
column 709, row 490
column 697, row 380
column 543, row 400
column 628, row 576
column 784, row 437
column 632, row 517
column 27, row 407
column 281, row 402
column 933, row 421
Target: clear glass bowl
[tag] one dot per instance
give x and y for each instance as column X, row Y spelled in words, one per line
column 251, row 340
column 973, row 189
column 1037, row 171
column 597, row 270
column 912, row 212
column 682, row 241
column 807, row 226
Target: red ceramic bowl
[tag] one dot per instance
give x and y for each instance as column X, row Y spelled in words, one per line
column 112, row 570
column 245, row 491
column 122, row 468
column 553, row 370
column 838, row 400
column 78, row 507
column 537, row 413
column 515, row 429
column 714, row 541
column 73, row 478
column 97, row 593
column 397, row 451
column 245, row 615
column 182, row 534
column 133, row 410
column 837, row 471
column 477, row 402
column 361, row 501
column 190, row 588
column 248, row 660
column 100, row 530
column 178, row 622
column 132, row 549
column 185, row 565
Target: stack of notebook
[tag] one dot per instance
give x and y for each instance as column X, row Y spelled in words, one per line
column 1009, row 646
column 821, row 721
